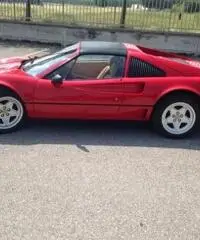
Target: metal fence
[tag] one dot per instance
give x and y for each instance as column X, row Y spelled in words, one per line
column 156, row 15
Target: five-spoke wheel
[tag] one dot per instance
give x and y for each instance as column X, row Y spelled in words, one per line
column 176, row 116
column 11, row 113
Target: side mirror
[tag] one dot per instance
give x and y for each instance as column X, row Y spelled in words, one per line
column 57, row 78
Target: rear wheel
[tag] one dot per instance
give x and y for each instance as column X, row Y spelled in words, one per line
column 176, row 116
column 12, row 112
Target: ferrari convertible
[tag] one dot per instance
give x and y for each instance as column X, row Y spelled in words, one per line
column 102, row 81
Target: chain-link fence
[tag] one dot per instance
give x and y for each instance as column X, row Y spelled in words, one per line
column 153, row 15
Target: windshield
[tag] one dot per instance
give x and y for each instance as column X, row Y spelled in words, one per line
column 41, row 64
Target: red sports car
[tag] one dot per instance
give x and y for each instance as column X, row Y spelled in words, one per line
column 102, row 80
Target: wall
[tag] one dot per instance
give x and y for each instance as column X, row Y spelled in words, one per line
column 65, row 35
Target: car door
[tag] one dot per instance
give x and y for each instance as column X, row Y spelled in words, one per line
column 79, row 97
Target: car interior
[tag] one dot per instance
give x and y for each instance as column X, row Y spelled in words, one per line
column 111, row 67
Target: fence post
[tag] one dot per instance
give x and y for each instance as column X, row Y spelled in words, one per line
column 63, row 10
column 123, row 14
column 28, row 10
column 14, row 9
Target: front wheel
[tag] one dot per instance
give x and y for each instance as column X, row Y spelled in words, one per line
column 176, row 116
column 12, row 113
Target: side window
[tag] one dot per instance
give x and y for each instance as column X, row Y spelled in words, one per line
column 97, row 67
column 62, row 71
column 139, row 68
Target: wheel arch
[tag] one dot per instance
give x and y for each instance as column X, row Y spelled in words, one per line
column 10, row 90
column 189, row 92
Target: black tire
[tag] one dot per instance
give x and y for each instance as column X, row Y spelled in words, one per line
column 156, row 119
column 20, row 124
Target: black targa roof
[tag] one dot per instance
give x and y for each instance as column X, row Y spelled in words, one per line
column 100, row 47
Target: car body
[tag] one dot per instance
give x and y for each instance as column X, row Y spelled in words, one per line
column 101, row 80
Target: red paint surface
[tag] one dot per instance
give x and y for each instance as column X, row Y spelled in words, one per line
column 125, row 98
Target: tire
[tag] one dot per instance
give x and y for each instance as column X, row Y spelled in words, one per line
column 12, row 112
column 176, row 116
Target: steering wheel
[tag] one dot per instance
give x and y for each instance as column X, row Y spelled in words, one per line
column 103, row 72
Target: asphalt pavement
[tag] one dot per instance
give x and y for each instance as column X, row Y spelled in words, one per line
column 67, row 180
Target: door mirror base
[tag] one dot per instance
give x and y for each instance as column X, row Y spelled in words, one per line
column 57, row 79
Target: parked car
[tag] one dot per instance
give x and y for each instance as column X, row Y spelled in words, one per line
column 111, row 3
column 161, row 4
column 102, row 80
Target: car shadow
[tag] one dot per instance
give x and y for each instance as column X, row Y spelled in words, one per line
column 87, row 133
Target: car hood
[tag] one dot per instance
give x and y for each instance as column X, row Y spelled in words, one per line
column 10, row 63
